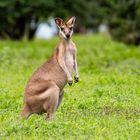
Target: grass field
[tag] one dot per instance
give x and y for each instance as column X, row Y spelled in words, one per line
column 105, row 104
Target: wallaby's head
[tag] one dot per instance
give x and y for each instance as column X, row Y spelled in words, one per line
column 65, row 28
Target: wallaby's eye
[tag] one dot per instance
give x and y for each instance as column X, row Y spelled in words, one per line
column 70, row 28
column 62, row 28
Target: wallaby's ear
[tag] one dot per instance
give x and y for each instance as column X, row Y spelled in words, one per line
column 58, row 21
column 71, row 21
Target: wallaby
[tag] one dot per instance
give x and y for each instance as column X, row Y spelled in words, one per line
column 44, row 90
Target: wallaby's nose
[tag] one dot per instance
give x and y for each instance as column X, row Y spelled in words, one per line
column 67, row 35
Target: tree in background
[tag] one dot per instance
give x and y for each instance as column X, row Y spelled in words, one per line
column 124, row 20
column 20, row 17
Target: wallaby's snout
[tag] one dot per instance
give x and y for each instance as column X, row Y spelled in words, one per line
column 68, row 36
column 65, row 28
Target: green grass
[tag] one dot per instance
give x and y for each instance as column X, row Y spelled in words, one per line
column 105, row 104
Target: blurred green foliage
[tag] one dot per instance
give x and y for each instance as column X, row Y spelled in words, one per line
column 122, row 16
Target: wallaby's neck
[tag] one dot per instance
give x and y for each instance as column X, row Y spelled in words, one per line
column 65, row 41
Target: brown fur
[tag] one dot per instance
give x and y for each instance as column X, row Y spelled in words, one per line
column 44, row 90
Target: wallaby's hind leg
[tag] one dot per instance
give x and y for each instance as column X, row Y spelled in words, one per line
column 60, row 98
column 25, row 112
column 51, row 102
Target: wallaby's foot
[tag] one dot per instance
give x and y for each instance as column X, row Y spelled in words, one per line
column 49, row 117
column 25, row 113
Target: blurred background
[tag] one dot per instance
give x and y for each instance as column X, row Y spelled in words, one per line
column 35, row 18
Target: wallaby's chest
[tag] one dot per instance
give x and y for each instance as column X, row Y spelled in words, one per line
column 69, row 59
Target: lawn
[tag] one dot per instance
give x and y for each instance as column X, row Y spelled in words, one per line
column 105, row 104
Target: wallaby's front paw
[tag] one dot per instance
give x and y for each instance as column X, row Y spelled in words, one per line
column 70, row 82
column 76, row 79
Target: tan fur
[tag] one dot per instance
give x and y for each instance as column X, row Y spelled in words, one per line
column 44, row 90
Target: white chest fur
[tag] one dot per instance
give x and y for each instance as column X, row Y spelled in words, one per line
column 69, row 59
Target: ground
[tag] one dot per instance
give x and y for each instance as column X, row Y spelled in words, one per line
column 105, row 104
